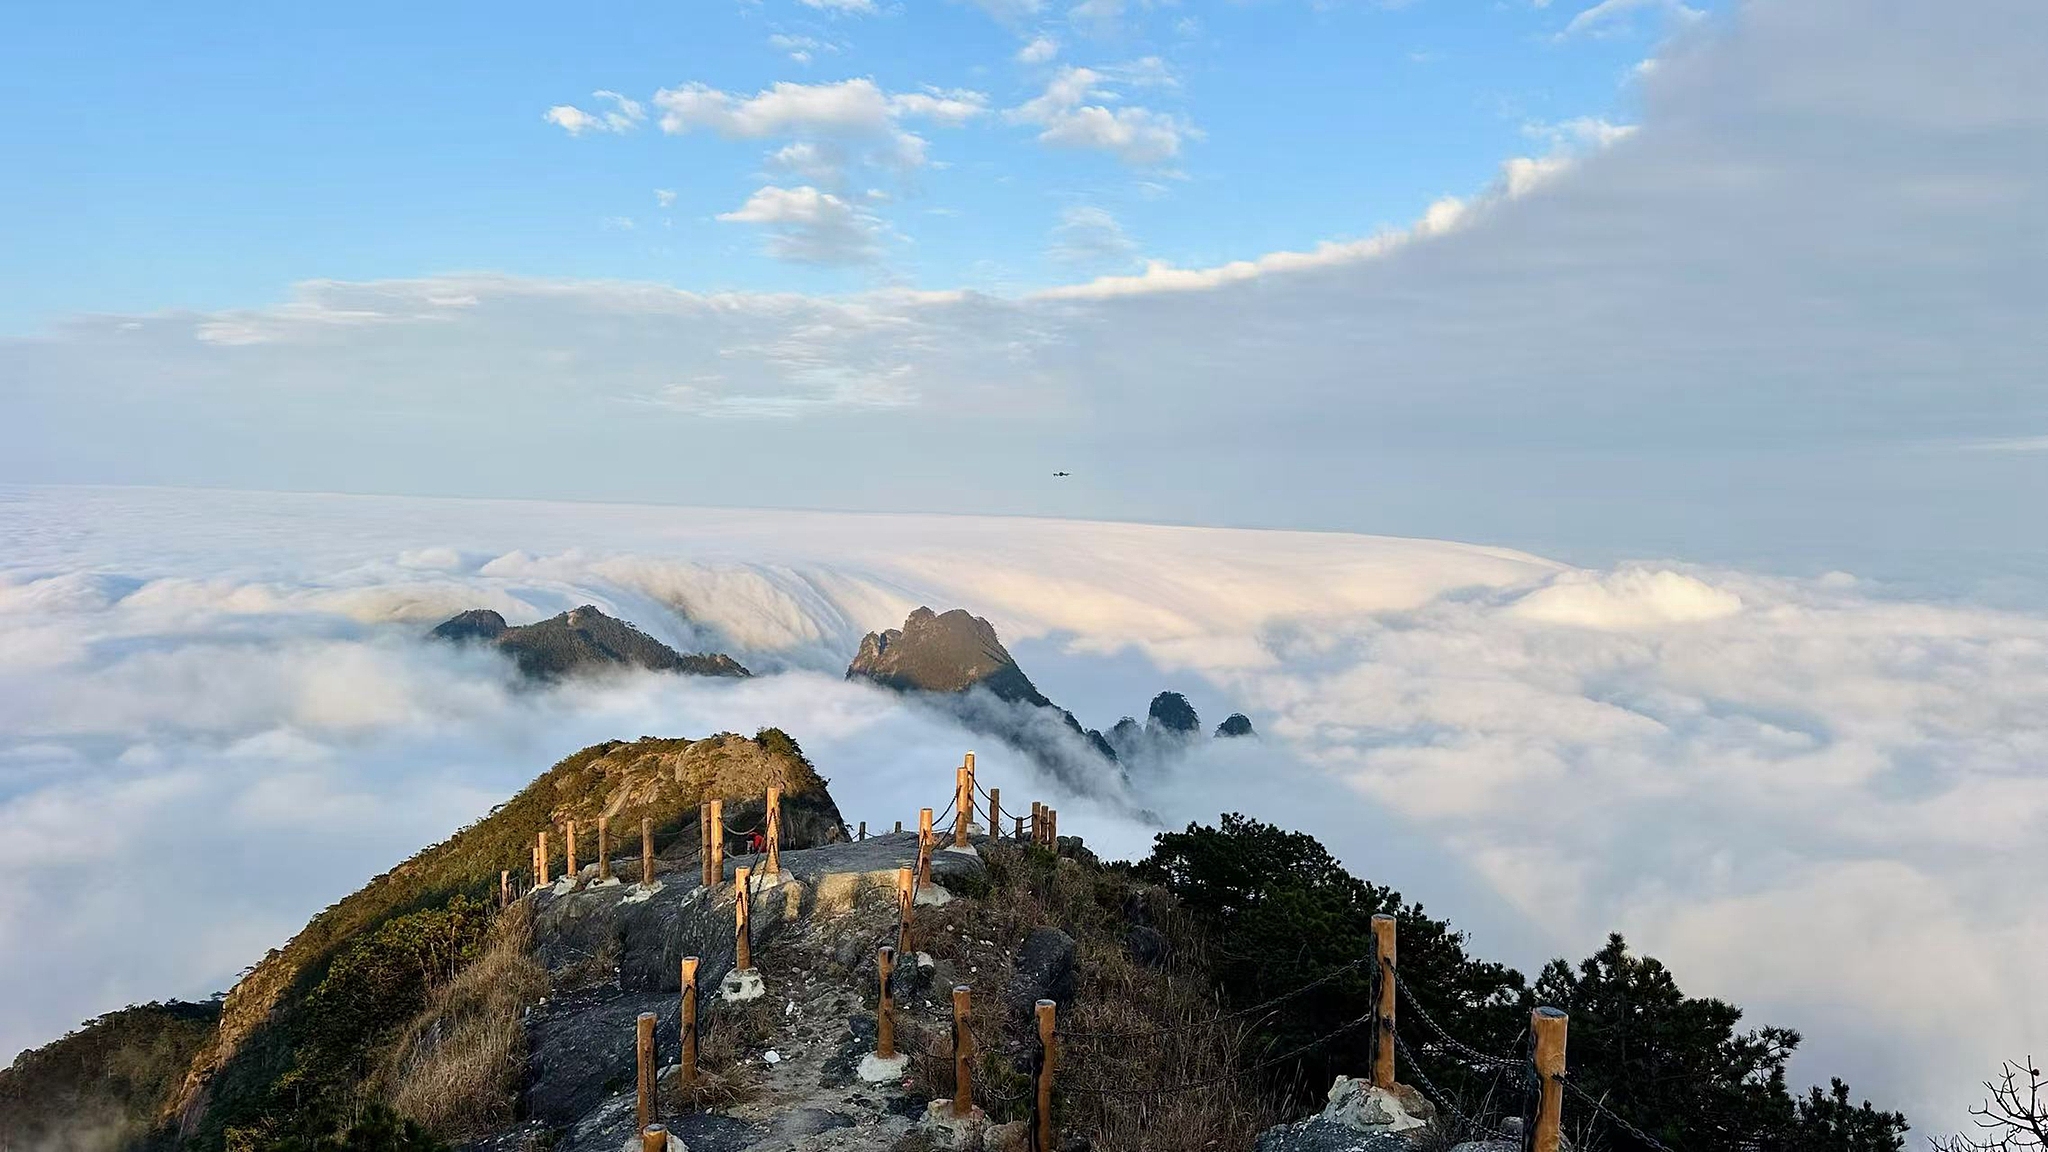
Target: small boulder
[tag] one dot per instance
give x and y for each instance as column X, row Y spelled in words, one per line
column 1147, row 946
column 1045, row 970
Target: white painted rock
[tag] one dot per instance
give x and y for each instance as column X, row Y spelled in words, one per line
column 742, row 984
column 874, row 1070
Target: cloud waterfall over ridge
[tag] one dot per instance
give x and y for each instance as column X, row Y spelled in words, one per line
column 217, row 714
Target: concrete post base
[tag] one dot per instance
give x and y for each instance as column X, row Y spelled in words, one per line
column 742, row 984
column 950, row 1131
column 875, row 1070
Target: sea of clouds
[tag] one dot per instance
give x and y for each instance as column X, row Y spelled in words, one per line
column 218, row 714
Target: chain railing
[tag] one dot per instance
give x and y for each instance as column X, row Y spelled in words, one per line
column 1537, row 1074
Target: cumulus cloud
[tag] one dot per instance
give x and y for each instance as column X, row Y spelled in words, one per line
column 1040, row 50
column 1730, row 758
column 1074, row 111
column 623, row 115
column 811, row 227
column 834, row 128
column 1089, row 237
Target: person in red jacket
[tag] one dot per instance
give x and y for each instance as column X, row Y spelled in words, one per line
column 757, row 843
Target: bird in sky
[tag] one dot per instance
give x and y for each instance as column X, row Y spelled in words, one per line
column 1063, row 473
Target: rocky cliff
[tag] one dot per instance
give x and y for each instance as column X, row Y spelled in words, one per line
column 578, row 641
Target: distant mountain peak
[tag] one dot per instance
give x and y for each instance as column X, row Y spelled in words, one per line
column 582, row 639
column 943, row 652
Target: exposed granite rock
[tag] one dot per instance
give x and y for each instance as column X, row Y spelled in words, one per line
column 944, row 652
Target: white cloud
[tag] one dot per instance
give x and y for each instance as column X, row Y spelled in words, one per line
column 1133, row 133
column 1041, row 50
column 801, row 49
column 1089, row 237
column 950, row 107
column 1618, row 17
column 808, row 226
column 835, row 126
column 665, row 197
column 842, row 7
column 1097, row 17
column 623, row 116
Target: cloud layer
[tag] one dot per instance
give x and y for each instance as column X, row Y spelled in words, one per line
column 216, row 715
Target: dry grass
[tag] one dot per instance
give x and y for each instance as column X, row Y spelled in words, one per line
column 725, row 1078
column 456, row 1068
column 1170, row 1009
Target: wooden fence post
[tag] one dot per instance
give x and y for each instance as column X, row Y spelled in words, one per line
column 743, row 948
column 689, row 1020
column 1549, row 1026
column 1052, row 829
column 995, row 813
column 654, row 1138
column 644, row 1052
column 540, row 861
column 924, row 846
column 863, row 829
column 774, row 823
column 1020, row 829
column 904, row 888
column 885, row 1018
column 963, row 1053
column 1048, row 1047
column 899, row 826
column 604, row 848
column 963, row 806
column 1037, row 817
column 704, row 843
column 569, row 838
column 1383, row 1022
column 647, row 851
column 504, row 887
column 717, row 842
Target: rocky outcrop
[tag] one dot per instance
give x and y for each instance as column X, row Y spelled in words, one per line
column 579, row 641
column 1359, row 1118
column 944, row 652
column 955, row 659
column 1236, row 724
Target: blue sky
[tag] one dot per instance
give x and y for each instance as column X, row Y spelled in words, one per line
column 1599, row 278
column 209, row 156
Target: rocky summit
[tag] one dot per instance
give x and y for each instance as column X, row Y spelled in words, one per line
column 578, row 641
column 955, row 660
column 944, row 652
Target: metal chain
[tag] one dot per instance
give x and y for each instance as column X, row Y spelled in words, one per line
column 1155, row 1033
column 1441, row 1098
column 1459, row 1047
column 1600, row 1106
